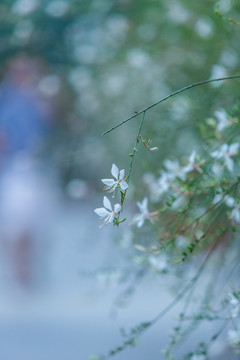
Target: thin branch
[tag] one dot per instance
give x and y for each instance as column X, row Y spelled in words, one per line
column 135, row 146
column 132, row 158
column 142, row 328
column 169, row 96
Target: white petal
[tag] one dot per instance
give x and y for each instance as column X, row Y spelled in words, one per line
column 221, row 152
column 123, row 185
column 106, row 221
column 110, row 218
column 111, row 188
column 171, row 166
column 108, row 182
column 143, row 206
column 217, row 198
column 121, row 174
column 223, row 149
column 117, row 208
column 139, row 219
column 114, row 171
column 215, row 154
column 230, row 201
column 235, row 215
column 229, row 163
column 187, row 169
column 192, row 157
column 107, row 203
column 163, row 182
column 233, row 149
column 102, row 212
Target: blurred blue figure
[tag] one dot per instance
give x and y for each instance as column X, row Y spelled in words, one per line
column 25, row 120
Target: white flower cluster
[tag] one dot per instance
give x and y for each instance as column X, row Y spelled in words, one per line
column 172, row 171
column 234, row 336
column 107, row 213
column 231, row 203
column 225, row 154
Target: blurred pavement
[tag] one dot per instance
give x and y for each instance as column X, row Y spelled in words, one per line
column 68, row 316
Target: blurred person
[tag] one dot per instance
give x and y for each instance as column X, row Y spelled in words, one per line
column 25, row 191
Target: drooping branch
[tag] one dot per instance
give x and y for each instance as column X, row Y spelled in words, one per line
column 169, row 96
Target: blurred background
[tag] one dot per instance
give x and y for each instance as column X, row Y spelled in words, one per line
column 69, row 70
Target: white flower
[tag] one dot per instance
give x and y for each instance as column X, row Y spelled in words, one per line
column 106, row 213
column 112, row 184
column 163, row 183
column 158, row 263
column 181, row 241
column 217, row 170
column 153, row 187
column 173, row 169
column 234, row 336
column 235, row 214
column 139, row 219
column 231, row 203
column 226, row 152
column 198, row 357
column 192, row 165
column 235, row 303
column 229, row 200
column 222, row 119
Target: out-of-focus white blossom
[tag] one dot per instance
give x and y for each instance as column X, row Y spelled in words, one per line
column 112, row 184
column 163, row 182
column 227, row 199
column 217, row 71
column 217, row 170
column 230, row 202
column 234, row 336
column 234, row 301
column 235, row 214
column 24, row 7
column 158, row 262
column 204, row 27
column 144, row 214
column 198, row 357
column 222, row 119
column 192, row 165
column 229, row 58
column 57, row 8
column 174, row 170
column 138, row 58
column 106, row 213
column 153, row 187
column 226, row 152
column 181, row 241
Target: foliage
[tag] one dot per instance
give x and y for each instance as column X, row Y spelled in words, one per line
column 112, row 58
column 195, row 212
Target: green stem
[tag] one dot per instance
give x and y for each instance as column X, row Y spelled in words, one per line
column 132, row 159
column 132, row 337
column 169, row 96
column 135, row 146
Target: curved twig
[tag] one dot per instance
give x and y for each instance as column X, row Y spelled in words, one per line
column 169, row 96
